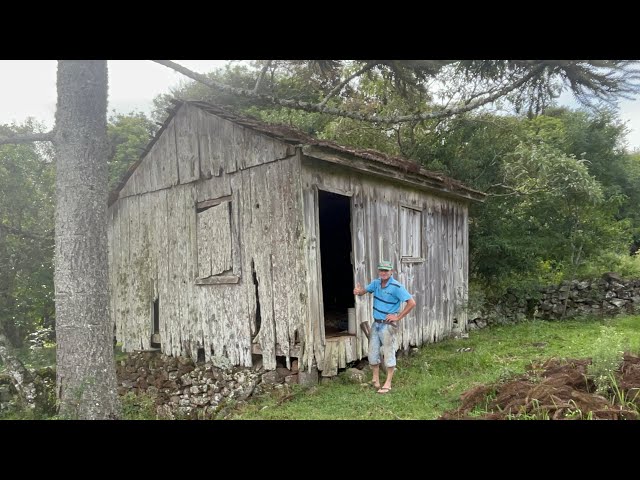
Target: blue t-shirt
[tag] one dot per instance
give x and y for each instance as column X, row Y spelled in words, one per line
column 388, row 299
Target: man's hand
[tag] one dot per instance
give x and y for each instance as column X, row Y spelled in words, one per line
column 392, row 317
column 359, row 290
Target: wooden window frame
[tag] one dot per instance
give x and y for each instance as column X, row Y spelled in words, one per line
column 413, row 258
column 224, row 277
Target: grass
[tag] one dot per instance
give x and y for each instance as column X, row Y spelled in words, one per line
column 429, row 383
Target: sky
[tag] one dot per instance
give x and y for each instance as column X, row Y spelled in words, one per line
column 28, row 89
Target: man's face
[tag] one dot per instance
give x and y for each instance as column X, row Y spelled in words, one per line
column 384, row 274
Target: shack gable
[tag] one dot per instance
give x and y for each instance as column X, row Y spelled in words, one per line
column 196, row 145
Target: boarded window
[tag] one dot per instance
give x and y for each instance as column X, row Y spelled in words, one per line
column 214, row 239
column 411, row 232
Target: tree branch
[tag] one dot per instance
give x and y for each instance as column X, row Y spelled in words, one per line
column 341, row 85
column 27, row 138
column 21, row 233
column 20, row 376
column 261, row 76
column 320, row 108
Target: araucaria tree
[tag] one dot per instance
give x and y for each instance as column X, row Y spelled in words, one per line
column 86, row 380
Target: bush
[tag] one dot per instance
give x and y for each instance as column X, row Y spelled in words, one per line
column 606, row 359
column 627, row 266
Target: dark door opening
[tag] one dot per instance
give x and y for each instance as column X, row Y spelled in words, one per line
column 335, row 261
column 155, row 336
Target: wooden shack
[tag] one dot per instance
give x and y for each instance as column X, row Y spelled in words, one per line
column 231, row 238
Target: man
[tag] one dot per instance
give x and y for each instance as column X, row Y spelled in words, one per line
column 388, row 294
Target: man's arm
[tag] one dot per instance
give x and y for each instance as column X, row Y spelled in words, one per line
column 359, row 290
column 394, row 317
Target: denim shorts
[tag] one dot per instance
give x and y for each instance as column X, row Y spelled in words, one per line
column 383, row 338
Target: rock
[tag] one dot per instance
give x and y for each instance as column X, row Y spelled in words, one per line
column 221, row 362
column 307, row 378
column 612, row 276
column 257, row 365
column 354, row 375
column 271, row 377
column 282, row 372
column 164, row 411
column 618, row 302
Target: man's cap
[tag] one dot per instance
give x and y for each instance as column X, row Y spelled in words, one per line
column 385, row 266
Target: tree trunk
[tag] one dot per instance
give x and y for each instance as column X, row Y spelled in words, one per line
column 85, row 379
column 22, row 379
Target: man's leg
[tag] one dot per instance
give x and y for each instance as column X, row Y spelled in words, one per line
column 387, row 382
column 375, row 378
column 388, row 337
column 374, row 355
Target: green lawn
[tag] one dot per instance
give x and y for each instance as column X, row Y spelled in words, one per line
column 427, row 384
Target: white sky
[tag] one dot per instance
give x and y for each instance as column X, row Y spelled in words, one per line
column 28, row 88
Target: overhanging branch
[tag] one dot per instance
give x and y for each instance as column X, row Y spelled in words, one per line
column 323, row 108
column 22, row 233
column 27, row 138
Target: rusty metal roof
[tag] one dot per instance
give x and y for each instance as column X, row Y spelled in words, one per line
column 294, row 136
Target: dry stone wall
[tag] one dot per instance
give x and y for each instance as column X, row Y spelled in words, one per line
column 608, row 296
column 182, row 389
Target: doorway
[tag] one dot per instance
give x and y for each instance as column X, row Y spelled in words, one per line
column 335, row 261
column 155, row 335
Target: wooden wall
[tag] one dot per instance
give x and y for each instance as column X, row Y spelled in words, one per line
column 154, row 242
column 438, row 284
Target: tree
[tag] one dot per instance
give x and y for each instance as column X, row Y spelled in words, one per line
column 26, row 237
column 85, row 379
column 128, row 136
column 465, row 84
column 26, row 254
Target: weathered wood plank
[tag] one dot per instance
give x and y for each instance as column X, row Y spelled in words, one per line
column 282, row 268
column 145, row 274
column 300, row 297
column 214, row 190
column 167, row 165
column 161, row 252
column 220, row 280
column 246, row 248
column 206, row 142
column 312, row 327
column 342, row 353
column 263, row 245
column 122, row 280
column 113, row 242
column 330, row 363
column 172, row 306
column 229, row 155
column 213, row 202
column 186, row 124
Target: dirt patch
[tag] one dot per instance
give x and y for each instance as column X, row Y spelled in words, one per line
column 556, row 390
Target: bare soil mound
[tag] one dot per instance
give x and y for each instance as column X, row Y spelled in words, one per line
column 556, row 390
